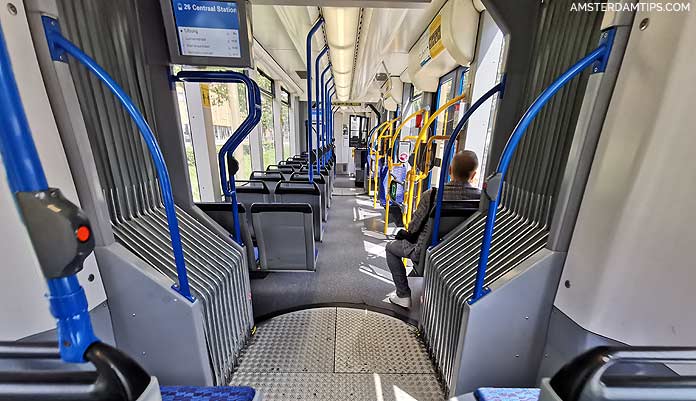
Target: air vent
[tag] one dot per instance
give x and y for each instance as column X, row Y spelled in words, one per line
column 301, row 74
column 381, row 77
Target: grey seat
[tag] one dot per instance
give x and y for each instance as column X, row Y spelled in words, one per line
column 285, row 236
column 221, row 213
column 285, row 170
column 453, row 214
column 250, row 192
column 327, row 173
column 320, row 180
column 303, row 192
column 269, row 177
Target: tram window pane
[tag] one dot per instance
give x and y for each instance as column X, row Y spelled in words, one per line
column 265, row 82
column 285, row 128
column 267, row 135
column 188, row 141
column 228, row 106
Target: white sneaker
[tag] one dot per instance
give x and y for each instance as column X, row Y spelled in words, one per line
column 404, row 302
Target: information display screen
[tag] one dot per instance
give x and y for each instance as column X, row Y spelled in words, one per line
column 207, row 28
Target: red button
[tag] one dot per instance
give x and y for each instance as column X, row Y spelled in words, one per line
column 83, row 234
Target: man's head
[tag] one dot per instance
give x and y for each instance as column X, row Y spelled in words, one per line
column 464, row 165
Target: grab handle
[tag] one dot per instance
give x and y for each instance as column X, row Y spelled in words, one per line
column 58, row 46
column 225, row 158
column 493, row 186
column 447, row 155
column 584, row 377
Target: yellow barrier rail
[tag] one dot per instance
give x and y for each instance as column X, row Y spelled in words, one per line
column 388, row 125
column 413, row 174
column 391, row 164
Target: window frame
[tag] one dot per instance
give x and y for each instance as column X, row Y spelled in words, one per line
column 271, row 80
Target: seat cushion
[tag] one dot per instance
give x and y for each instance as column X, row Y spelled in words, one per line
column 507, row 394
column 192, row 393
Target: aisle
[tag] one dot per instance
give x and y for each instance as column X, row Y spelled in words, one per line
column 351, row 267
column 337, row 354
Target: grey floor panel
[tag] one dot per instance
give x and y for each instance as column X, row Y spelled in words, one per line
column 301, row 341
column 372, row 342
column 342, row 386
column 338, row 354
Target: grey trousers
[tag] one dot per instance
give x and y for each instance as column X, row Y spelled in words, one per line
column 396, row 250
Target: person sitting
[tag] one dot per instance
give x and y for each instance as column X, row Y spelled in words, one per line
column 409, row 242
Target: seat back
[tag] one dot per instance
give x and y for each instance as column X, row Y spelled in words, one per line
column 221, row 213
column 250, row 192
column 453, row 213
column 285, row 236
column 320, row 180
column 303, row 192
column 269, row 177
column 286, row 171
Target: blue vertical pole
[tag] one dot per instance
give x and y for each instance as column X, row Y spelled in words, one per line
column 327, row 119
column 68, row 302
column 321, row 112
column 310, row 35
column 317, row 86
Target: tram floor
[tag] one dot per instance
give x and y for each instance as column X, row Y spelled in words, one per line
column 351, row 266
column 337, row 354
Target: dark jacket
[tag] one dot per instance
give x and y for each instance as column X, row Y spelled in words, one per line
column 420, row 219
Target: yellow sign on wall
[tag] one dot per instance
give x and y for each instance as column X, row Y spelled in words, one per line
column 435, row 45
column 205, row 95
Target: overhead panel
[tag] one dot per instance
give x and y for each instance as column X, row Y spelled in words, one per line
column 449, row 41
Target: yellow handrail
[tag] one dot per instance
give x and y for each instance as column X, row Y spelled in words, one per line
column 390, row 126
column 391, row 164
column 372, row 154
column 412, row 174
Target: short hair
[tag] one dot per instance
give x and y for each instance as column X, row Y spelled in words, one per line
column 464, row 163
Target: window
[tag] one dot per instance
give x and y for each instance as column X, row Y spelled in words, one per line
column 358, row 126
column 267, row 134
column 285, row 121
column 228, row 107
column 414, row 104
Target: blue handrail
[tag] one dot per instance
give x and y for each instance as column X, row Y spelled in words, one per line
column 56, row 42
column 326, row 108
column 252, row 119
column 25, row 174
column 319, row 103
column 493, row 185
column 310, row 35
column 321, row 112
column 448, row 152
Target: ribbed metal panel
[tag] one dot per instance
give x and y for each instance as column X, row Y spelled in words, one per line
column 562, row 37
column 109, row 31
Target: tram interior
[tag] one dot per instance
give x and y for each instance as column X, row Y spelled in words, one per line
column 200, row 200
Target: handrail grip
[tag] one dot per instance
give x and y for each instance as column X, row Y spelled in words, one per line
column 252, row 119
column 310, row 35
column 57, row 40
column 447, row 154
column 26, row 174
column 493, row 185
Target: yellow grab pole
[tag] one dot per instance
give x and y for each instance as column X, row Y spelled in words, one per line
column 373, row 156
column 380, row 137
column 421, row 139
column 390, row 162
